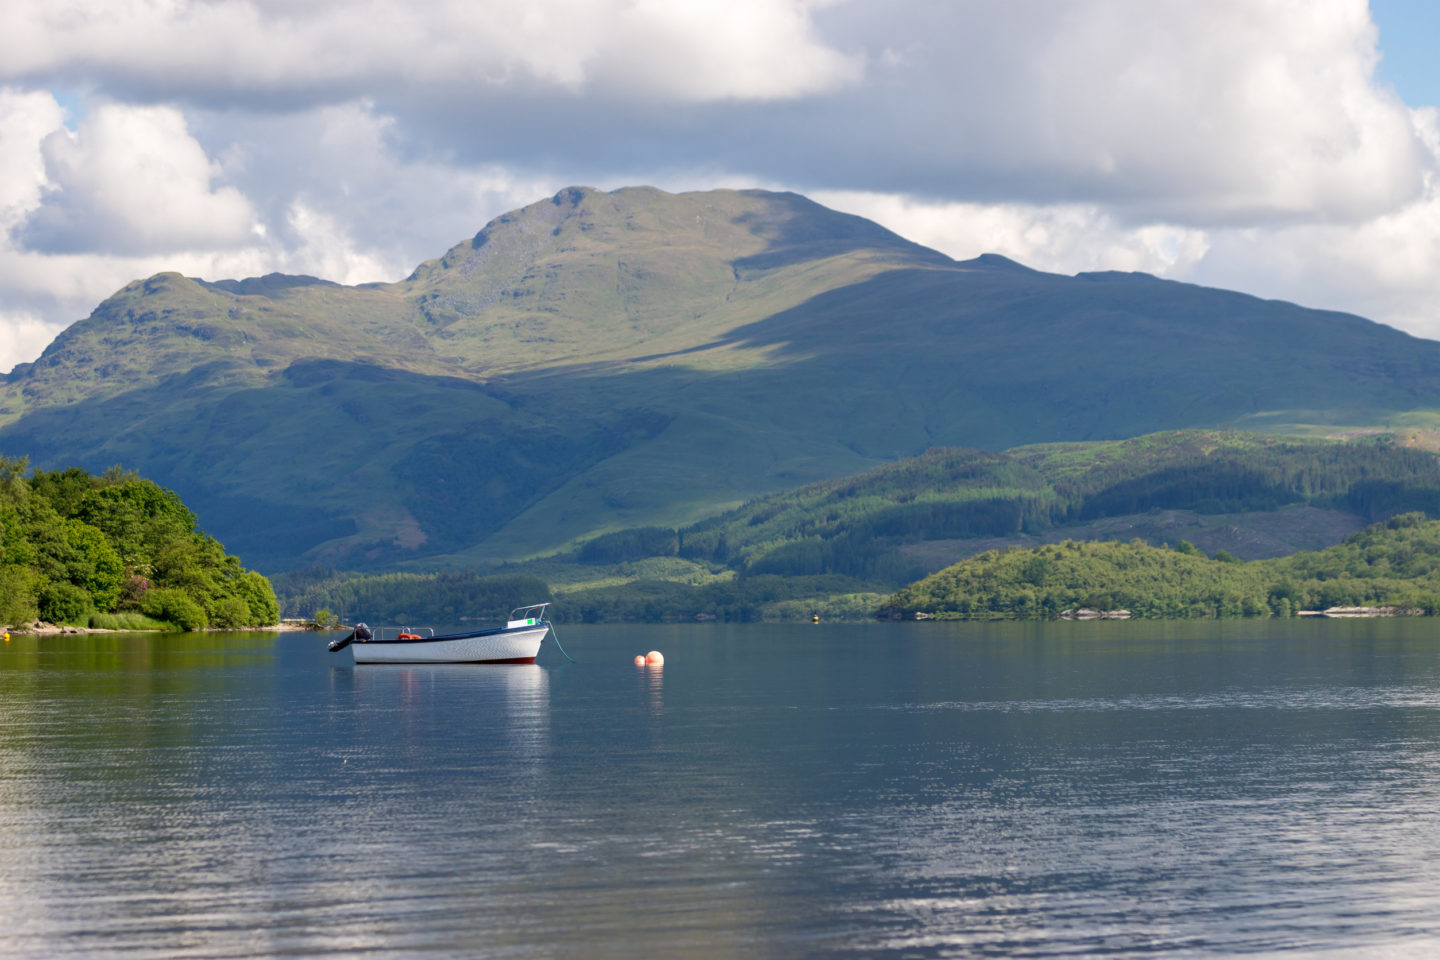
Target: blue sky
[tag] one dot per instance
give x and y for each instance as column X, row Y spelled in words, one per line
column 1409, row 41
column 1247, row 144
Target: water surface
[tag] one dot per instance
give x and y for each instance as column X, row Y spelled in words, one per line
column 925, row 790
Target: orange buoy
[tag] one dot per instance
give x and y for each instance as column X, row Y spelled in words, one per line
column 654, row 659
column 639, row 661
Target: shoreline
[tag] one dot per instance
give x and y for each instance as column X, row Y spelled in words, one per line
column 40, row 628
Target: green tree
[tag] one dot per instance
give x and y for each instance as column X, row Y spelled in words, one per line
column 259, row 596
column 65, row 603
column 231, row 613
column 94, row 564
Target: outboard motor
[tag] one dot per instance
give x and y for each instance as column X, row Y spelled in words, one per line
column 361, row 633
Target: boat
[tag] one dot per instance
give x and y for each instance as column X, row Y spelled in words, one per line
column 516, row 642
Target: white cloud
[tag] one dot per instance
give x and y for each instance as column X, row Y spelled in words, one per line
column 340, row 50
column 133, row 180
column 1205, row 112
column 1383, row 269
column 719, row 49
column 1063, row 238
column 1223, row 110
column 327, row 250
column 25, row 120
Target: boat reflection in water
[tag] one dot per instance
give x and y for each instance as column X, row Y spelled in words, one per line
column 506, row 705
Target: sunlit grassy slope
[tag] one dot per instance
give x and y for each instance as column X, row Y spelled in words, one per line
column 597, row 361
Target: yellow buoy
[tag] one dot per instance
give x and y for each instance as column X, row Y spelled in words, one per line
column 654, row 659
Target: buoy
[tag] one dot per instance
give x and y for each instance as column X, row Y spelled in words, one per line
column 654, row 659
column 639, row 661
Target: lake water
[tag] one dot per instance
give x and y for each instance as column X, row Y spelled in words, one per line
column 918, row 790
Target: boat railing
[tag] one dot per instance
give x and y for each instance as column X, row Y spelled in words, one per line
column 528, row 616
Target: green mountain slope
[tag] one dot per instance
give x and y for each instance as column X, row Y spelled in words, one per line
column 597, row 361
column 1248, row 495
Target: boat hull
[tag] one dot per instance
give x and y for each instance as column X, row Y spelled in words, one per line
column 519, row 645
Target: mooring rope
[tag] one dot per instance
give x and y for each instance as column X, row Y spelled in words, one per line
column 557, row 642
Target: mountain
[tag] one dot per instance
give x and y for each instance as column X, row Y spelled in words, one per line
column 597, row 361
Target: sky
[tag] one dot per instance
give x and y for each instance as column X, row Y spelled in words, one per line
column 1285, row 148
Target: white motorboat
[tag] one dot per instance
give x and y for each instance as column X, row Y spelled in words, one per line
column 516, row 642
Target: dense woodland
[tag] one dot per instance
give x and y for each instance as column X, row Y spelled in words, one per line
column 1391, row 564
column 855, row 526
column 839, row 547
column 116, row 551
column 404, row 598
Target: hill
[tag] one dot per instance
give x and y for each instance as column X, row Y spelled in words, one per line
column 1395, row 564
column 601, row 361
column 838, row 546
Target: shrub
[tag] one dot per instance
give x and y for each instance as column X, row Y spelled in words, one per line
column 65, row 603
column 173, row 606
column 132, row 589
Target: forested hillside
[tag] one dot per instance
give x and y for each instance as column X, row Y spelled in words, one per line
column 838, row 547
column 115, row 551
column 1391, row 564
column 860, row 526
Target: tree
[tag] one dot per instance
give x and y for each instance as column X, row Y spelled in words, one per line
column 232, row 613
column 65, row 603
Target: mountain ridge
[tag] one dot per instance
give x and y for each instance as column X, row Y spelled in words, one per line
column 596, row 361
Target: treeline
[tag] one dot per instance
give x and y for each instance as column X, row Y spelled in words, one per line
column 118, row 551
column 740, row 600
column 1395, row 563
column 857, row 525
column 446, row 598
column 407, row 597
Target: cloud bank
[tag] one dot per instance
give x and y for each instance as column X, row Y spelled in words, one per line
column 1238, row 143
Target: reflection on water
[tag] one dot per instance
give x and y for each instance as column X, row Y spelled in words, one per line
column 652, row 681
column 935, row 791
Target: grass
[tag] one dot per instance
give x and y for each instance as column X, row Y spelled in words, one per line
column 128, row 621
